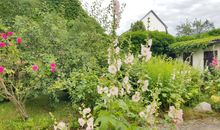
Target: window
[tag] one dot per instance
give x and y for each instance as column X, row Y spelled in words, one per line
column 188, row 58
column 208, row 57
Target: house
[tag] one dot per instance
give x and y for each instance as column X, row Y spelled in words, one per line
column 152, row 22
column 199, row 52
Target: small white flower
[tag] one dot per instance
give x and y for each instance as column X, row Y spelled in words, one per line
column 129, row 58
column 127, row 88
column 145, row 86
column 126, row 80
column 82, row 122
column 99, row 89
column 114, row 91
column 112, row 69
column 86, row 111
column 90, row 122
column 136, row 97
column 105, row 90
column 117, row 50
column 122, row 92
column 150, row 41
column 62, row 126
column 119, row 64
column 142, row 114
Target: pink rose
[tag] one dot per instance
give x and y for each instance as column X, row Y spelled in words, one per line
column 2, row 69
column 10, row 33
column 35, row 68
column 2, row 44
column 4, row 36
column 19, row 40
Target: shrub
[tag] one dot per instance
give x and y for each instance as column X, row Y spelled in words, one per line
column 178, row 82
column 160, row 46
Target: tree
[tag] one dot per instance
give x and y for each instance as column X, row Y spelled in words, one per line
column 138, row 26
column 194, row 27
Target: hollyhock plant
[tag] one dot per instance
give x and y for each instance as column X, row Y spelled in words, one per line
column 52, row 67
column 2, row 69
column 19, row 40
column 4, row 36
column 35, row 68
column 2, row 44
column 10, row 33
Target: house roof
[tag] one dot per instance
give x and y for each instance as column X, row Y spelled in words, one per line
column 191, row 45
column 151, row 11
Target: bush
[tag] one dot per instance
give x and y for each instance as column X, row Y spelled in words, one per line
column 178, row 82
column 160, row 46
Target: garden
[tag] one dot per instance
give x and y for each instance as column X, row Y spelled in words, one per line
column 62, row 68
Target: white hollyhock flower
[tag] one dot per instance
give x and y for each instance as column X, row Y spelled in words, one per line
column 142, row 114
column 129, row 58
column 145, row 86
column 114, row 91
column 144, row 50
column 99, row 89
column 150, row 41
column 90, row 122
column 119, row 64
column 105, row 90
column 82, row 122
column 86, row 111
column 112, row 69
column 126, row 80
column 117, row 50
column 122, row 92
column 136, row 97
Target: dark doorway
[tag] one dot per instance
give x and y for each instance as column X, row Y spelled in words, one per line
column 188, row 58
column 208, row 57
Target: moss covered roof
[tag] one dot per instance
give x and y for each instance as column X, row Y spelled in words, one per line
column 189, row 46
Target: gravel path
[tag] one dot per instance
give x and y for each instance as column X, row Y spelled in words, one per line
column 210, row 123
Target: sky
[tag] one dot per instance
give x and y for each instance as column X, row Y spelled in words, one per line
column 171, row 12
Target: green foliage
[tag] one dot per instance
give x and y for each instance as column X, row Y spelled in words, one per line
column 214, row 32
column 178, row 82
column 138, row 26
column 189, row 46
column 160, row 46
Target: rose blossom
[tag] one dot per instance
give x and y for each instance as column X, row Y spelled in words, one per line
column 4, row 36
column 2, row 44
column 10, row 33
column 2, row 69
column 19, row 40
column 35, row 68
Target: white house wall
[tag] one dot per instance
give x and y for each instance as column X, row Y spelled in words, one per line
column 155, row 24
column 198, row 56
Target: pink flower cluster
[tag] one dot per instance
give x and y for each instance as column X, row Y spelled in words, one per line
column 52, row 67
column 5, row 36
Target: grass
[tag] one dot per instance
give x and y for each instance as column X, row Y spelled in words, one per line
column 38, row 110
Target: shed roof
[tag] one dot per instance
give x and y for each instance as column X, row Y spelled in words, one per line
column 192, row 45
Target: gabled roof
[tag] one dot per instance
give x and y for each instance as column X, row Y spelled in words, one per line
column 151, row 11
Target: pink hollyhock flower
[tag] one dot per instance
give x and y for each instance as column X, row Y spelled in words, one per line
column 4, row 36
column 214, row 62
column 2, row 44
column 35, row 68
column 2, row 69
column 10, row 33
column 52, row 67
column 19, row 40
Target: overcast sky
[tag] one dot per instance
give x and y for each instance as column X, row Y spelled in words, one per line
column 171, row 12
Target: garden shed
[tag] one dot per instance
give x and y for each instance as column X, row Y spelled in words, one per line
column 198, row 52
